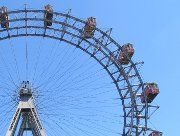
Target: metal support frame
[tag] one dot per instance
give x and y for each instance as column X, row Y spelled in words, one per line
column 26, row 110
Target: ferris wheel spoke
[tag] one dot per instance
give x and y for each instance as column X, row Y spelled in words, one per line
column 75, row 97
column 94, row 130
column 69, row 71
column 77, row 128
column 6, row 106
column 26, row 58
column 49, row 127
column 98, row 117
column 6, row 77
column 5, row 86
column 4, row 125
column 82, row 86
column 70, row 128
column 15, row 60
column 61, row 129
column 49, row 62
column 63, row 74
column 65, row 107
column 37, row 61
column 74, row 79
column 7, row 112
column 97, row 124
column 68, row 89
column 71, row 83
column 87, row 113
column 8, row 71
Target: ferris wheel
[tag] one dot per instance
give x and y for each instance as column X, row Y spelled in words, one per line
column 63, row 76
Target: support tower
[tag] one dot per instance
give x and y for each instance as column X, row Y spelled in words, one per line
column 26, row 117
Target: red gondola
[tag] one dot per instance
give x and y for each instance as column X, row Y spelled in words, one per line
column 48, row 15
column 151, row 91
column 126, row 54
column 90, row 27
column 4, row 18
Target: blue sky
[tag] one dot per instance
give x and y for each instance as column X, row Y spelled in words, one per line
column 153, row 27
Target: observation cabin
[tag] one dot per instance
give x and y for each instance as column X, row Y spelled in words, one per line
column 151, row 91
column 4, row 18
